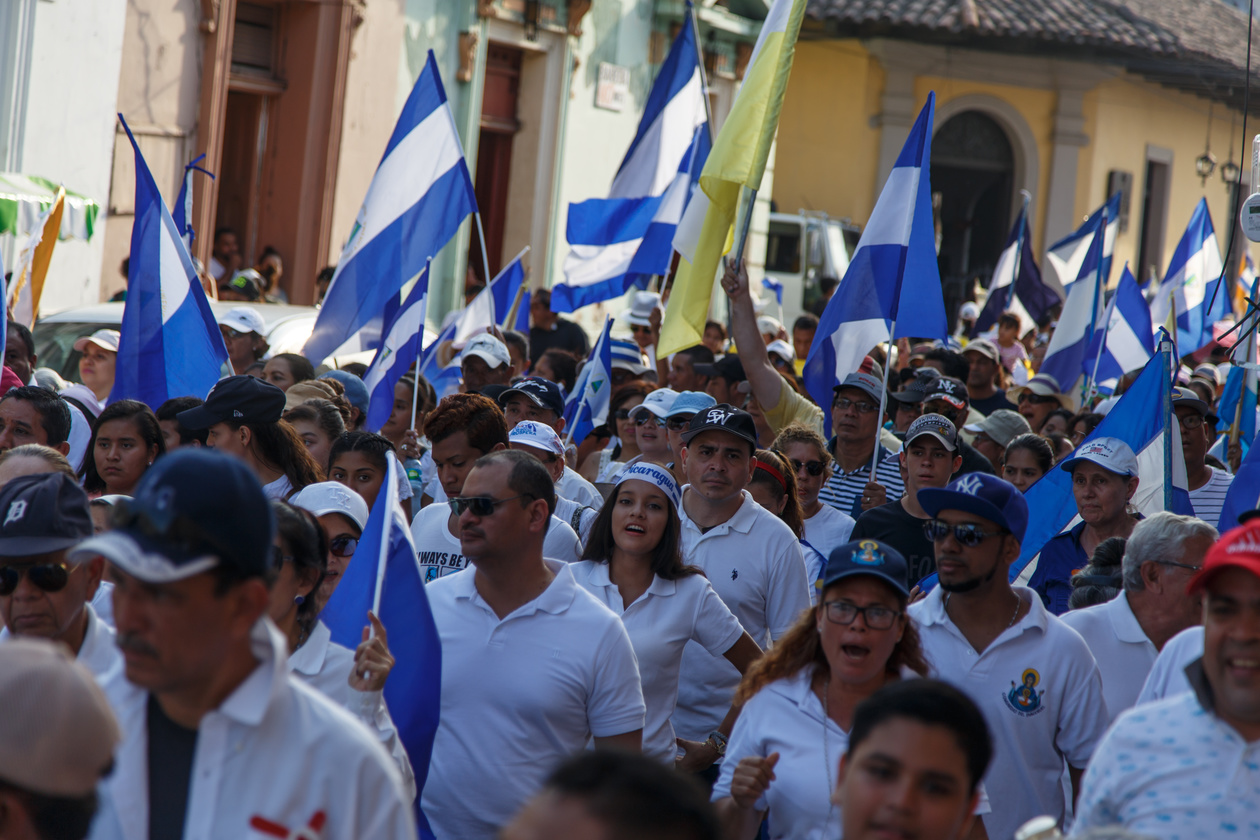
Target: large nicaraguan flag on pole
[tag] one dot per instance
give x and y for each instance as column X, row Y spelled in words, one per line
column 1194, row 272
column 1017, row 285
column 492, row 304
column 420, row 195
column 1064, row 258
column 1067, row 358
column 401, row 338
column 626, row 238
column 386, row 579
column 1143, row 419
column 170, row 343
column 892, row 279
column 738, row 160
column 587, row 407
column 1127, row 342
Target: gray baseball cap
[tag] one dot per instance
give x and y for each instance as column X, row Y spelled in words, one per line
column 1003, row 426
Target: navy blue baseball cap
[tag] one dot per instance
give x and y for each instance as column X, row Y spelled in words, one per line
column 243, row 399
column 194, row 510
column 42, row 513
column 867, row 557
column 541, row 392
column 984, row 495
column 723, row 418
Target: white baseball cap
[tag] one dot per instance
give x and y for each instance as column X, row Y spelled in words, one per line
column 537, row 435
column 331, row 497
column 243, row 319
column 769, row 325
column 487, row 348
column 104, row 339
column 659, row 402
column 1112, row 454
column 782, row 349
column 641, row 306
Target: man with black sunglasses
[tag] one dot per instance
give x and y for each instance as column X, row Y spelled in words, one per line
column 533, row 666
column 42, row 593
column 1032, row 676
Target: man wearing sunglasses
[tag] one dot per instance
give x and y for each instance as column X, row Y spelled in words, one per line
column 42, row 594
column 1038, row 398
column 1207, row 484
column 1031, row 675
column 533, row 666
column 540, row 400
column 928, row 459
column 219, row 740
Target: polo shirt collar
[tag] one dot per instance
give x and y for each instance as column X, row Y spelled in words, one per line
column 555, row 599
column 308, row 660
column 883, row 453
column 599, row 575
column 248, row 703
column 1123, row 621
column 1037, row 618
column 799, row 689
column 742, row 521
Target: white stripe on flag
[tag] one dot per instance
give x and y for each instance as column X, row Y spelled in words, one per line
column 591, row 263
column 663, row 145
column 890, row 225
column 853, row 340
column 174, row 282
column 422, row 157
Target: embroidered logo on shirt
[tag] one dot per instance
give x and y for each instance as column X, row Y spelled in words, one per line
column 1024, row 699
column 311, row 831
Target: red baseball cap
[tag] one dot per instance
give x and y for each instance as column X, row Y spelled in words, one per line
column 1237, row 548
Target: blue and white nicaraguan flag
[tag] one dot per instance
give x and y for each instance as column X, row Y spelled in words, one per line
column 1064, row 258
column 170, row 343
column 1067, row 358
column 587, row 406
column 627, row 238
column 1017, row 285
column 418, row 198
column 1125, row 335
column 894, row 263
column 1194, row 272
column 401, row 341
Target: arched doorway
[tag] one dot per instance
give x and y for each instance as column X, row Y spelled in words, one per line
column 973, row 170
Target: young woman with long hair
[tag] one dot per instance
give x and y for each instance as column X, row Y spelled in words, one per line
column 773, row 486
column 633, row 565
column 125, row 441
column 798, row 701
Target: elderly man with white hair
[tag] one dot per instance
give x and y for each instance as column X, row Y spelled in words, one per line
column 1127, row 633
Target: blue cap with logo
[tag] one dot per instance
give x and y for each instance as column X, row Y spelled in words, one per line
column 984, row 495
column 867, row 557
column 541, row 392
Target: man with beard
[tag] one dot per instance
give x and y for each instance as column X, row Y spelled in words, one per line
column 1032, row 675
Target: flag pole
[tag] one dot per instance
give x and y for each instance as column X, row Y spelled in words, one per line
column 704, row 79
column 419, row 339
column 516, row 305
column 1088, row 386
column 883, row 398
column 415, row 394
column 1165, row 352
column 745, row 225
column 485, row 260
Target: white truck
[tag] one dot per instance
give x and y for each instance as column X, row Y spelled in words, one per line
column 801, row 249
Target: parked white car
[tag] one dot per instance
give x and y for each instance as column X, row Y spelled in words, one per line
column 288, row 328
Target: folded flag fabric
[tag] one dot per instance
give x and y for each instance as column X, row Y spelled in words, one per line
column 1194, row 273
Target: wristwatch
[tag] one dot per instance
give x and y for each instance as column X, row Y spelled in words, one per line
column 718, row 741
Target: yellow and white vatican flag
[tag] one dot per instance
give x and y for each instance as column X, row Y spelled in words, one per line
column 738, row 160
column 33, row 259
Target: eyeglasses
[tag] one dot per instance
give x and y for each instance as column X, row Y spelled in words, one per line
column 1191, row 421
column 1036, row 399
column 621, row 414
column 1187, row 566
column 279, row 558
column 343, row 546
column 647, row 417
column 876, row 618
column 481, row 505
column 814, row 468
column 844, row 404
column 50, row 577
column 968, row 534
column 679, row 423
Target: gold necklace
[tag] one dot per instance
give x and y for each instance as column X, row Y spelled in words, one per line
column 1018, row 603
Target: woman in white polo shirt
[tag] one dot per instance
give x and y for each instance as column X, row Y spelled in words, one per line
column 826, row 527
column 799, row 700
column 633, row 565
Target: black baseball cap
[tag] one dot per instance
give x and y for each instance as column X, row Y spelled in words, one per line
column 725, row 418
column 934, row 425
column 949, row 389
column 244, row 399
column 867, row 557
column 917, row 387
column 194, row 510
column 42, row 513
column 541, row 392
column 729, row 367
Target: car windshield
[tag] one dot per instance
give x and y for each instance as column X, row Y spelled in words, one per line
column 54, row 345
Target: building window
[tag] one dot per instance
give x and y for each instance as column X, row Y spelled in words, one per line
column 1154, row 213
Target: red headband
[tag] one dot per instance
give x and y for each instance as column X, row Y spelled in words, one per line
column 775, row 474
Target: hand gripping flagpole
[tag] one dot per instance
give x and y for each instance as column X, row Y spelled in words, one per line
column 883, row 393
column 1166, row 353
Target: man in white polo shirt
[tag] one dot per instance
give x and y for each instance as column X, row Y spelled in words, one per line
column 751, row 557
column 1031, row 675
column 1187, row 766
column 533, row 667
column 1126, row 633
column 541, row 441
column 540, row 400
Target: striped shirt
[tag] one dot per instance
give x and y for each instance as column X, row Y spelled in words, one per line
column 843, row 491
column 1210, row 498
